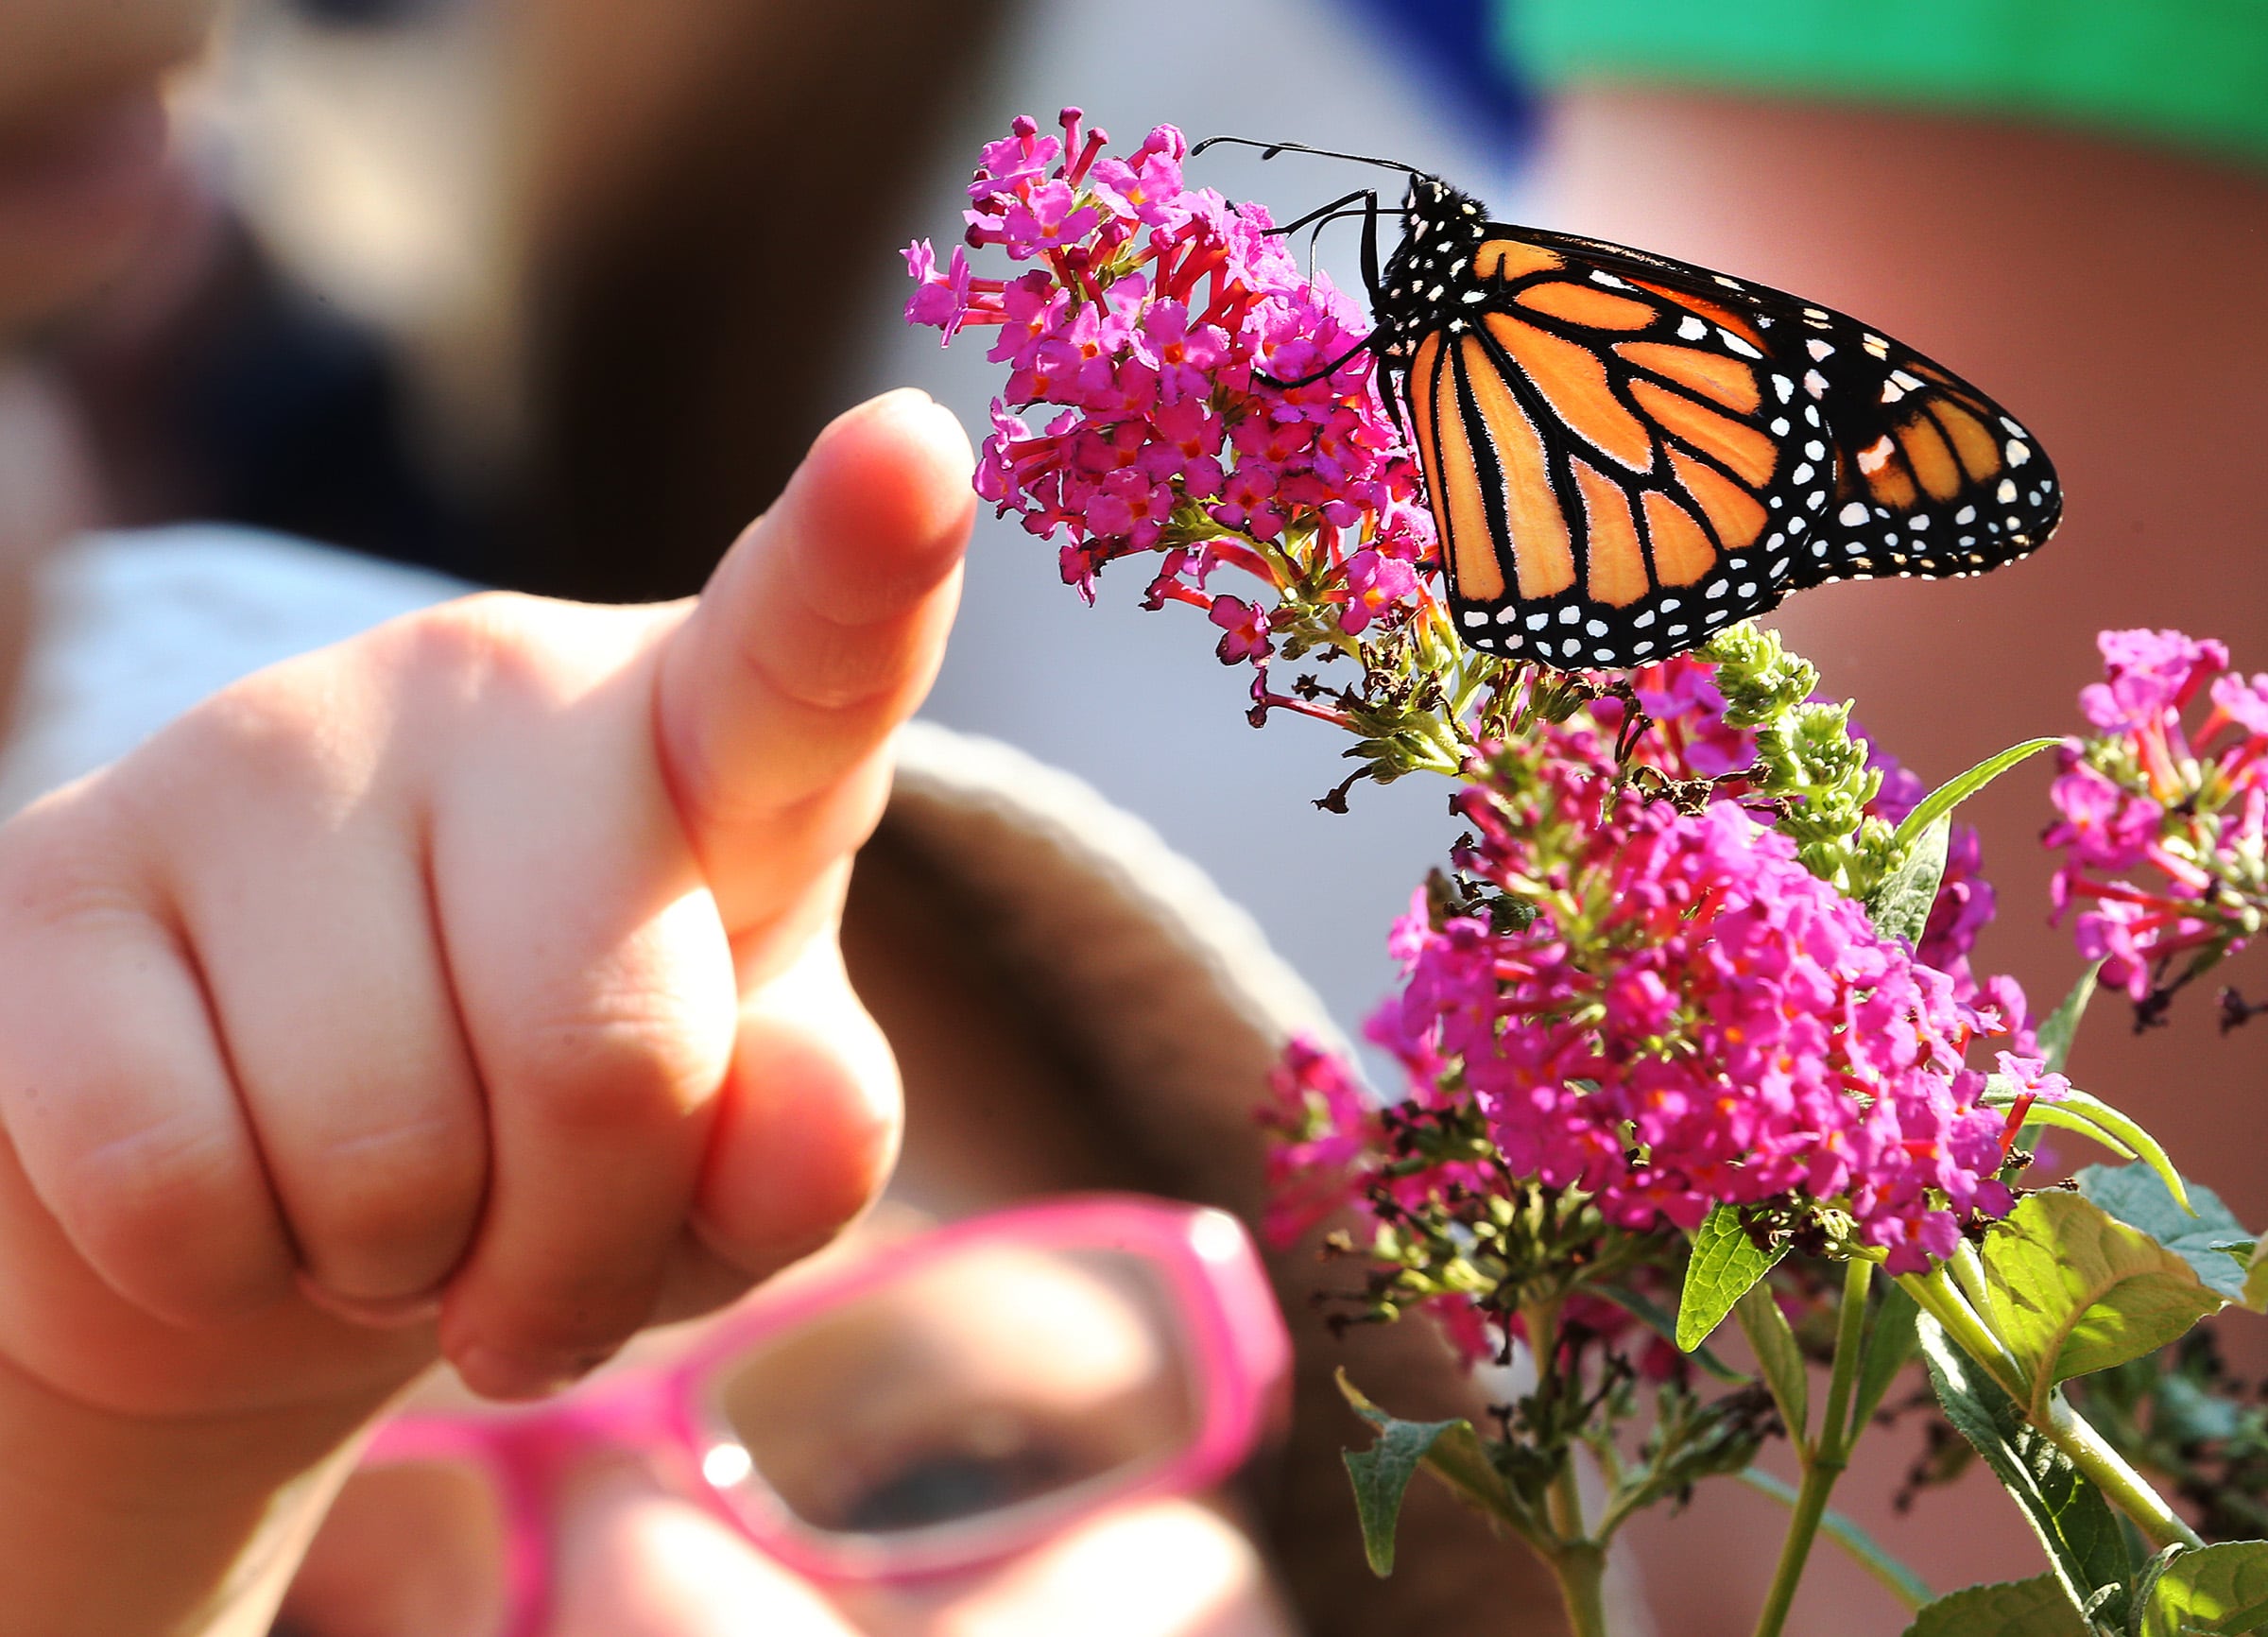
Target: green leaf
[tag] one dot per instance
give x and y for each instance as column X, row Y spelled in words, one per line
column 1900, row 905
column 2256, row 1279
column 2071, row 1291
column 1725, row 1264
column 2148, row 1575
column 2033, row 1608
column 2074, row 1524
column 1901, row 1582
column 1450, row 1450
column 2060, row 1026
column 2089, row 1116
column 1959, row 789
column 2207, row 1235
column 1778, row 1356
column 1891, row 1341
column 2222, row 1590
column 2070, row 1120
column 1664, row 1324
column 1381, row 1476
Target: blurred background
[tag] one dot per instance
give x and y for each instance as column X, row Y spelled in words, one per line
column 552, row 293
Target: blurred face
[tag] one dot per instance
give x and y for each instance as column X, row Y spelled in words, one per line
column 82, row 140
column 985, row 1393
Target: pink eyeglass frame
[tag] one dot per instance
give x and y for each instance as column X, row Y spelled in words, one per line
column 1239, row 1355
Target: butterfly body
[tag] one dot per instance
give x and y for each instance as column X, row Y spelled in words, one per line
column 1625, row 453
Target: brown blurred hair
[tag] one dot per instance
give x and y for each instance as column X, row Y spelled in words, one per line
column 706, row 201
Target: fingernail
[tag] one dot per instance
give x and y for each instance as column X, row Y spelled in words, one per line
column 375, row 1313
column 494, row 1374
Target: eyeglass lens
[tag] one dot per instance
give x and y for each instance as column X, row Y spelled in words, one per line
column 995, row 1380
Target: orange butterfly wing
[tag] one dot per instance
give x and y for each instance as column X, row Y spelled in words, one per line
column 1624, row 454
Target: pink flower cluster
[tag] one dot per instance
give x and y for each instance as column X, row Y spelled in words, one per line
column 2163, row 822
column 1694, row 1018
column 1327, row 1133
column 1156, row 324
column 1334, row 1150
column 1691, row 740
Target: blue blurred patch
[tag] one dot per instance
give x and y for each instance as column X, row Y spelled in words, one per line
column 1453, row 44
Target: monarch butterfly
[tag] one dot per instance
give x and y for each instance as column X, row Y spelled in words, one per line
column 1626, row 453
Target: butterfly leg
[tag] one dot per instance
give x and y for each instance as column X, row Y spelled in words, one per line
column 1321, row 212
column 1368, row 344
column 1371, row 285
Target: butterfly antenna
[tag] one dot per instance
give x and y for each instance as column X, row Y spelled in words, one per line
column 1270, row 149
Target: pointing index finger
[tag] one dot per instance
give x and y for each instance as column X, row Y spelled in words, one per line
column 817, row 636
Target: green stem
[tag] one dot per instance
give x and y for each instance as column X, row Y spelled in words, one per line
column 1581, row 1572
column 2064, row 1426
column 1795, row 1547
column 1835, row 1435
column 1578, row 1561
column 1935, row 1295
column 1563, row 1502
column 1968, row 1275
column 1823, row 1462
column 2132, row 1493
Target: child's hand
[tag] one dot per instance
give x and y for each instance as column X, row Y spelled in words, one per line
column 472, row 985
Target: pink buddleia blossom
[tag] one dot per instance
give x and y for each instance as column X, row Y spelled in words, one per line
column 1326, row 1132
column 1151, row 335
column 1689, row 739
column 2163, row 813
column 1696, row 1019
column 1243, row 629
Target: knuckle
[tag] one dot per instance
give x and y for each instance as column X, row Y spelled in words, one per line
column 837, row 667
column 613, row 1065
column 394, row 1205
column 509, row 645
column 294, row 734
column 172, row 1195
column 58, row 870
column 469, row 637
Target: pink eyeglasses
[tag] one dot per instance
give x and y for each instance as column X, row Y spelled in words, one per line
column 935, row 1405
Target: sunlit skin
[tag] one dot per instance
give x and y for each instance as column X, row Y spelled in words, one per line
column 471, row 991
